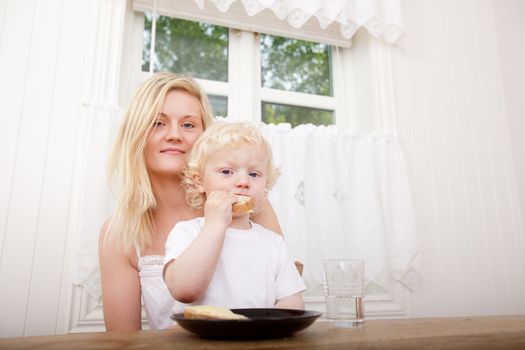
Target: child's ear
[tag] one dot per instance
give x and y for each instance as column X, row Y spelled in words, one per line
column 198, row 183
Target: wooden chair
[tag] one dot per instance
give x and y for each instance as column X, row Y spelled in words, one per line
column 299, row 265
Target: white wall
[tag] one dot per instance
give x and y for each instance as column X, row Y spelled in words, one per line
column 459, row 105
column 453, row 119
column 510, row 28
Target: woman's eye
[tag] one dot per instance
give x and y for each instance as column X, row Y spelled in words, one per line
column 188, row 125
column 226, row 172
column 158, row 123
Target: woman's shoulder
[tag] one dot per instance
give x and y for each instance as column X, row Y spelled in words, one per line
column 112, row 247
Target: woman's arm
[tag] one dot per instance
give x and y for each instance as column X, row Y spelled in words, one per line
column 120, row 286
column 294, row 301
column 266, row 217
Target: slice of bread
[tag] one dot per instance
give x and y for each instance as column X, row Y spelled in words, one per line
column 211, row 313
column 244, row 204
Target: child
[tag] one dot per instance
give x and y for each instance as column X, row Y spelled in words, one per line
column 224, row 259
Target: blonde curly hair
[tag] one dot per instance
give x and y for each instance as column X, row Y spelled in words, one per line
column 223, row 135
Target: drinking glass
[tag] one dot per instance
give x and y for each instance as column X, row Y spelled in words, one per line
column 345, row 291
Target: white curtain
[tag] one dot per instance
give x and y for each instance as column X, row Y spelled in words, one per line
column 344, row 195
column 340, row 195
column 96, row 200
column 382, row 18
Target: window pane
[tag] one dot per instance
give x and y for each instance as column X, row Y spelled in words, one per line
column 295, row 65
column 187, row 47
column 277, row 113
column 219, row 105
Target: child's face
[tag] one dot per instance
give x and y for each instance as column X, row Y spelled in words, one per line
column 240, row 170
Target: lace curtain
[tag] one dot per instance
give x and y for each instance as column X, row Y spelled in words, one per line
column 345, row 195
column 382, row 18
column 340, row 195
column 96, row 200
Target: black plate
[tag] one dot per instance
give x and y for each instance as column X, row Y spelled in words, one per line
column 262, row 323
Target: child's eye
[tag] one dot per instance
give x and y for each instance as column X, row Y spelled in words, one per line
column 226, row 172
column 254, row 174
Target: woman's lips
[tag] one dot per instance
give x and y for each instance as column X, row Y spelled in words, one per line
column 172, row 150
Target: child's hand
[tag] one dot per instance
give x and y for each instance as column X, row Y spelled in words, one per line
column 218, row 209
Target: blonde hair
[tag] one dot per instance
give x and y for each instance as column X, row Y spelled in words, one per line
column 220, row 136
column 132, row 222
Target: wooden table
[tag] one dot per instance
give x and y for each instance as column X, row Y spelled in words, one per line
column 432, row 333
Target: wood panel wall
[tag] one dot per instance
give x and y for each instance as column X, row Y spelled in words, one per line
column 45, row 64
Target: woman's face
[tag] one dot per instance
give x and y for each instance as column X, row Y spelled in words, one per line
column 178, row 127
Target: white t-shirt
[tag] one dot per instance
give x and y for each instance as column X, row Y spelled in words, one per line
column 253, row 270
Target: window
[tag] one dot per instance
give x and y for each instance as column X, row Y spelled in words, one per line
column 198, row 49
column 295, row 65
column 247, row 75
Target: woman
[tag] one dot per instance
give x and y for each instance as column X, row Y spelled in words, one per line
column 164, row 119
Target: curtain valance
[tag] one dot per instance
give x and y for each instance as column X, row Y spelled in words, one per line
column 330, row 21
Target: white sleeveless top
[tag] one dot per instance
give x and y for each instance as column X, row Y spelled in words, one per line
column 156, row 297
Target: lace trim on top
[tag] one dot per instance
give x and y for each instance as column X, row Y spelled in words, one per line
column 150, row 262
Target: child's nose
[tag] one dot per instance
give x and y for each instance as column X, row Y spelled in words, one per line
column 242, row 181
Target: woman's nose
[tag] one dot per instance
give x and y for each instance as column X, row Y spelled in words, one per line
column 173, row 134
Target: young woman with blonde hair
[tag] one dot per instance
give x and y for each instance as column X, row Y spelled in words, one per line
column 165, row 117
